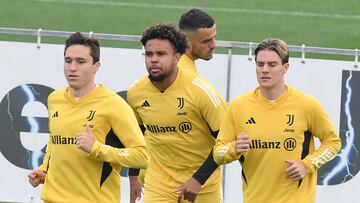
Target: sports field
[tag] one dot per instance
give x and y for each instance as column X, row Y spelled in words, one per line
column 320, row 23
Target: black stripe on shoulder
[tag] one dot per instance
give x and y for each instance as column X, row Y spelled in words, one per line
column 112, row 140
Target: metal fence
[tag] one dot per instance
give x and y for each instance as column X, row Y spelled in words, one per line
column 226, row 44
column 230, row 45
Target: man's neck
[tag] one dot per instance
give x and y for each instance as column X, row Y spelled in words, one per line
column 188, row 53
column 78, row 93
column 166, row 83
column 273, row 93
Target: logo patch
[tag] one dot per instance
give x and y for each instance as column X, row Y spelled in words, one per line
column 145, row 104
column 55, row 115
column 91, row 115
column 181, row 102
column 291, row 119
column 251, row 121
column 185, row 127
column 290, row 144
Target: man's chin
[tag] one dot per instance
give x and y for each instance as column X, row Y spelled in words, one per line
column 156, row 78
column 73, row 84
column 207, row 58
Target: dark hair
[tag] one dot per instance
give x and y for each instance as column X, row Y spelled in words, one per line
column 79, row 39
column 166, row 32
column 195, row 19
column 274, row 44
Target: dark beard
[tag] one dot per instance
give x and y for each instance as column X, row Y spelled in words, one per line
column 157, row 78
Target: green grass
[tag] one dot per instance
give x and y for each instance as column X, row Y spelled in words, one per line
column 335, row 24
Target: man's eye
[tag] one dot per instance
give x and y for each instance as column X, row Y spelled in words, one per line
column 272, row 65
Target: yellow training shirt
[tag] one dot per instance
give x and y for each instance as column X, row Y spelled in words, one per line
column 279, row 131
column 75, row 176
column 179, row 124
column 186, row 63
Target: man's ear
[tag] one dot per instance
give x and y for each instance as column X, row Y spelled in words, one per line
column 286, row 67
column 177, row 57
column 96, row 66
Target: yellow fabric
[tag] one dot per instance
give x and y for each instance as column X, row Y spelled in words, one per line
column 277, row 131
column 178, row 123
column 72, row 174
column 164, row 195
column 187, row 63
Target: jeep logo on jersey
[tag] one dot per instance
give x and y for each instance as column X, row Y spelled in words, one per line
column 23, row 115
column 185, row 127
column 290, row 144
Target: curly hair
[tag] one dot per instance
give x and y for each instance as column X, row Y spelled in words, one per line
column 166, row 32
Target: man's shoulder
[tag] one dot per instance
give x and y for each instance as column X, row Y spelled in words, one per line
column 203, row 90
column 139, row 88
column 111, row 96
column 58, row 93
column 185, row 63
column 302, row 97
column 138, row 84
column 198, row 83
column 247, row 97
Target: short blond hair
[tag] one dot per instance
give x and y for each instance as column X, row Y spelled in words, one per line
column 274, row 44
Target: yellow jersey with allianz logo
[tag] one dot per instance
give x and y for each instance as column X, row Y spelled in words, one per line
column 279, row 130
column 180, row 125
column 75, row 176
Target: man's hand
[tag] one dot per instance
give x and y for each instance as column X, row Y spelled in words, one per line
column 242, row 143
column 296, row 169
column 85, row 140
column 135, row 189
column 36, row 177
column 189, row 190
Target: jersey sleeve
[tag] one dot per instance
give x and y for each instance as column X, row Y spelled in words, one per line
column 45, row 164
column 134, row 171
column 212, row 108
column 131, row 103
column 321, row 127
column 224, row 150
column 125, row 126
